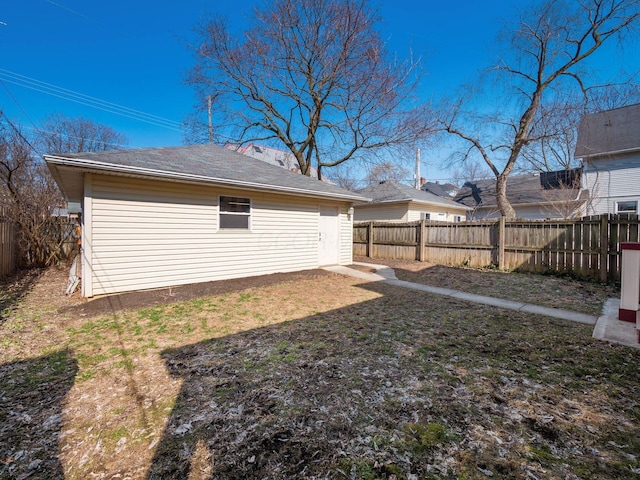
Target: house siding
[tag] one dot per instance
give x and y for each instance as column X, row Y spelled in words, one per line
column 437, row 213
column 397, row 212
column 150, row 234
column 346, row 236
column 611, row 180
column 406, row 212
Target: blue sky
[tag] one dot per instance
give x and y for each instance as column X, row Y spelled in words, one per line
column 135, row 55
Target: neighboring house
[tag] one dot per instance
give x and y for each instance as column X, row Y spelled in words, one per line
column 445, row 190
column 394, row 202
column 609, row 146
column 160, row 217
column 272, row 156
column 536, row 196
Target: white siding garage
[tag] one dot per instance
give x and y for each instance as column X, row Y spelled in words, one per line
column 142, row 233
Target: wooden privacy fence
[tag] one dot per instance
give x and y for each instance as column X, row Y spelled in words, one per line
column 588, row 247
column 8, row 246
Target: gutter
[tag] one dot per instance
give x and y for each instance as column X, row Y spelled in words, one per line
column 411, row 200
column 605, row 154
column 91, row 166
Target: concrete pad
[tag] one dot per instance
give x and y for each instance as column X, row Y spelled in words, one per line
column 382, row 270
column 371, row 277
column 610, row 329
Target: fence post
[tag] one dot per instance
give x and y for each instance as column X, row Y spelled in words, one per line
column 370, row 240
column 604, row 247
column 420, row 238
column 501, row 242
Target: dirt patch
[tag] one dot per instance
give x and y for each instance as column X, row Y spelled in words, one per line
column 181, row 293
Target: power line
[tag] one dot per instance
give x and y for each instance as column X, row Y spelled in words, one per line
column 35, row 127
column 59, row 5
column 17, row 103
column 19, row 133
column 94, row 102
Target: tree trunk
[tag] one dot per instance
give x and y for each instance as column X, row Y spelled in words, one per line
column 501, row 197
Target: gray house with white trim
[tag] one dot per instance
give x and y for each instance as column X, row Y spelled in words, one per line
column 161, row 217
column 609, row 146
column 533, row 196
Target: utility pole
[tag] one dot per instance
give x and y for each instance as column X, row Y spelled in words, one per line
column 417, row 173
column 210, row 118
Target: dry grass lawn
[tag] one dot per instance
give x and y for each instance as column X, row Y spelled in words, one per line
column 320, row 376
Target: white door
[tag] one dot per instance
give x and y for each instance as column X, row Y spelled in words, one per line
column 328, row 236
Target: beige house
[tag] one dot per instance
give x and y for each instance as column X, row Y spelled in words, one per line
column 395, row 202
column 171, row 216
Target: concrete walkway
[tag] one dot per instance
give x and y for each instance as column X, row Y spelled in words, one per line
column 607, row 326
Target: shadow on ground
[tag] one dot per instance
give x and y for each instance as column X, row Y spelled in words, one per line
column 15, row 288
column 394, row 387
column 32, row 393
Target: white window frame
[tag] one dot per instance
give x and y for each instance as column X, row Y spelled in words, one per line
column 226, row 213
column 425, row 215
column 629, row 202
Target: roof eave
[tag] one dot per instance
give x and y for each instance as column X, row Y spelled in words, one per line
column 92, row 166
column 606, row 153
column 373, row 203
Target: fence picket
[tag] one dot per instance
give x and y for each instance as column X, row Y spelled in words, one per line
column 582, row 246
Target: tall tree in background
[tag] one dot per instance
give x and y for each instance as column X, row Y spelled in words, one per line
column 312, row 75
column 30, row 197
column 60, row 134
column 556, row 125
column 545, row 56
column 385, row 171
column 29, row 194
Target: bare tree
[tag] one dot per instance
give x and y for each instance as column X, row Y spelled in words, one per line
column 198, row 125
column 563, row 195
column 381, row 172
column 470, row 171
column 31, row 196
column 344, row 177
column 547, row 53
column 556, row 127
column 556, row 124
column 314, row 75
column 60, row 134
column 27, row 188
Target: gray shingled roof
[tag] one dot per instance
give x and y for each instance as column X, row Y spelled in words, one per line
column 440, row 189
column 609, row 131
column 390, row 191
column 521, row 190
column 208, row 164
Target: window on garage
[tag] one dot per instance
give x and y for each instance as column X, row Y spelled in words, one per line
column 235, row 212
column 627, row 207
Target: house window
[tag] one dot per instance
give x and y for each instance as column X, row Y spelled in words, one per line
column 235, row 212
column 626, row 207
column 458, row 218
column 425, row 216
